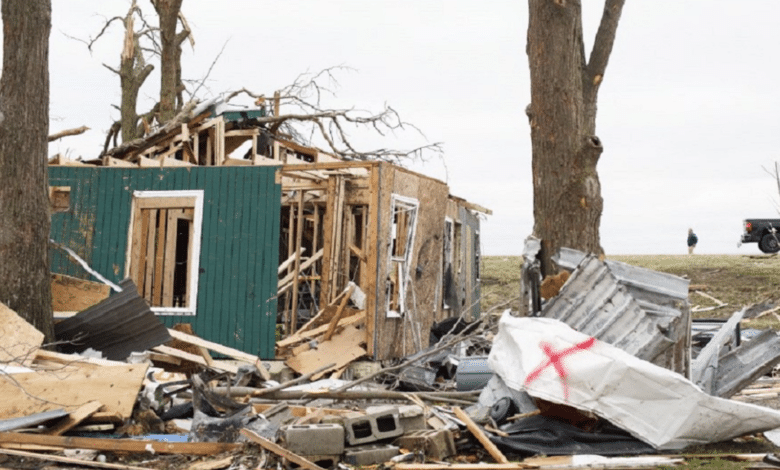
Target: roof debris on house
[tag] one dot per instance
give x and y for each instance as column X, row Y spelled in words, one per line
column 582, row 383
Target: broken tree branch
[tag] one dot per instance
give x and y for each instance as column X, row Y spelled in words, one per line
column 68, row 133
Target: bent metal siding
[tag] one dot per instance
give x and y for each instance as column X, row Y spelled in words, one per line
column 239, row 242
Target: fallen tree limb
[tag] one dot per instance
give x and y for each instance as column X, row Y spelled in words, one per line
column 68, row 132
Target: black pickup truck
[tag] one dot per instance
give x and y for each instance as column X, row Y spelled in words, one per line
column 765, row 232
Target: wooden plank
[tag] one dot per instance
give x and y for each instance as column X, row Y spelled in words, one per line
column 169, row 263
column 20, row 340
column 74, row 419
column 159, row 258
column 305, row 265
column 286, row 264
column 149, row 257
column 227, row 351
column 70, row 460
column 280, row 451
column 297, row 268
column 165, row 202
column 119, row 445
column 81, row 361
column 481, row 437
column 340, row 350
column 339, row 312
column 297, row 338
column 115, row 162
column 219, row 365
column 70, row 387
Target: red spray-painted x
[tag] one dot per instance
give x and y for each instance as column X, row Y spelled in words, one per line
column 555, row 359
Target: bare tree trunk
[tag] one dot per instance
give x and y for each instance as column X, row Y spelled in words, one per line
column 170, row 67
column 25, row 278
column 562, row 116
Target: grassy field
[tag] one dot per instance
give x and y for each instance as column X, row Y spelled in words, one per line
column 735, row 280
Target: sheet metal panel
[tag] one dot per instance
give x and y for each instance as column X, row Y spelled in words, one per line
column 117, row 326
column 596, row 301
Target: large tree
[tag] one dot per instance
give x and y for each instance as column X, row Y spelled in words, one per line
column 562, row 115
column 25, row 279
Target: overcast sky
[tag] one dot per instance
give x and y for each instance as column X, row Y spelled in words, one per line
column 688, row 111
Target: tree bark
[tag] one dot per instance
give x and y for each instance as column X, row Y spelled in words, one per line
column 170, row 67
column 25, row 278
column 562, row 116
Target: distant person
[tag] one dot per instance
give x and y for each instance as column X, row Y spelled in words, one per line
column 692, row 241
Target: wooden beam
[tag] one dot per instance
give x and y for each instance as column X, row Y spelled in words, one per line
column 227, row 351
column 119, row 445
column 280, row 451
column 481, row 437
column 197, row 359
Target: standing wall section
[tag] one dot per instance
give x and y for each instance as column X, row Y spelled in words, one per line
column 239, row 247
column 397, row 337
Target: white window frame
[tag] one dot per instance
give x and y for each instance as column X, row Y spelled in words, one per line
column 194, row 269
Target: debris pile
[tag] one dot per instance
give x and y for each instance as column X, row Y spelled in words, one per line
column 599, row 373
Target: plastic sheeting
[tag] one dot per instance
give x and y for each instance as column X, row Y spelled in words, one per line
column 551, row 361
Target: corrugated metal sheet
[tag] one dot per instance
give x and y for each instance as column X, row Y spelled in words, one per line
column 239, row 248
column 599, row 300
column 117, row 326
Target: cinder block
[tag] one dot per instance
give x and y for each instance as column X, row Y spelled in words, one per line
column 372, row 427
column 313, row 439
column 410, row 416
column 435, row 444
column 370, row 455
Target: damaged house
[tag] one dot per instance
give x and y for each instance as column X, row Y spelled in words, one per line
column 250, row 237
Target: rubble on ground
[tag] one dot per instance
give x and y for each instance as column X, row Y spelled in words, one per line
column 599, row 375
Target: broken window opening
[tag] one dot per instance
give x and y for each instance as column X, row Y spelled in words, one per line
column 400, row 247
column 448, row 281
column 164, row 249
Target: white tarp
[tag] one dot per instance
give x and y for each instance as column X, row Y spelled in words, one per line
column 551, row 361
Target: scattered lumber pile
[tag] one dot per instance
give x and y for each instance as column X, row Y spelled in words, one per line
column 169, row 399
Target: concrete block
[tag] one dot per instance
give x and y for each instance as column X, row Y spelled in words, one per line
column 313, row 439
column 372, row 427
column 279, row 371
column 370, row 455
column 411, row 416
column 435, row 444
column 324, row 461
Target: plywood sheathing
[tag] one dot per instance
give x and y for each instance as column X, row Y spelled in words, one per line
column 397, row 337
column 20, row 339
column 71, row 387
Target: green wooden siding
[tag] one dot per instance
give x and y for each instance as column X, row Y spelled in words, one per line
column 239, row 241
